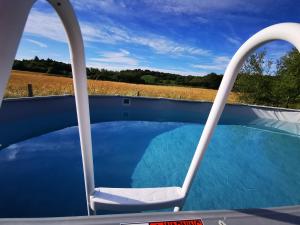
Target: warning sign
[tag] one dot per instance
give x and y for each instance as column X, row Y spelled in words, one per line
column 178, row 222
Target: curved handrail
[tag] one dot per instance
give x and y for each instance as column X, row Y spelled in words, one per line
column 11, row 29
column 289, row 32
column 66, row 13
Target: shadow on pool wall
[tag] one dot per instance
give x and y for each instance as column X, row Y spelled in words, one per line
column 24, row 118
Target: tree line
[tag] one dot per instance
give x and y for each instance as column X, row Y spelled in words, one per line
column 137, row 76
column 261, row 81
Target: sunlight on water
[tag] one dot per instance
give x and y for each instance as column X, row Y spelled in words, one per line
column 244, row 167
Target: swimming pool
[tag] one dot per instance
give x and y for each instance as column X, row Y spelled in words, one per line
column 246, row 166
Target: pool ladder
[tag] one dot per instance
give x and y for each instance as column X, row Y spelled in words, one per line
column 13, row 16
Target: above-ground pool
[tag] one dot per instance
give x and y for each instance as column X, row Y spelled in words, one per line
column 248, row 164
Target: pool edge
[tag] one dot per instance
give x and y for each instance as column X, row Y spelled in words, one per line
column 276, row 215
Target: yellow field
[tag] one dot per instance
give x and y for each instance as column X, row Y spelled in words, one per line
column 44, row 85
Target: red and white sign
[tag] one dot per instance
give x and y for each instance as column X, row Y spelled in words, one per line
column 176, row 222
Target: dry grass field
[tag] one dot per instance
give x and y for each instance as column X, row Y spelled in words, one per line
column 44, row 85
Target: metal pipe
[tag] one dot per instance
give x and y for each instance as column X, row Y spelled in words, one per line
column 289, row 32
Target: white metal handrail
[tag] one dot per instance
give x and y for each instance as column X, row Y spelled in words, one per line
column 13, row 15
column 289, row 32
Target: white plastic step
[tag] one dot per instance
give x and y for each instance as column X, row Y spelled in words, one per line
column 136, row 199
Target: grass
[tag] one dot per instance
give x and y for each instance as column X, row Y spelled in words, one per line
column 44, row 85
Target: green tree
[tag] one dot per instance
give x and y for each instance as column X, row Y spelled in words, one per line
column 287, row 88
column 149, row 79
column 255, row 82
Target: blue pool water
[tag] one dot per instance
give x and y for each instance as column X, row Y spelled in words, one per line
column 244, row 167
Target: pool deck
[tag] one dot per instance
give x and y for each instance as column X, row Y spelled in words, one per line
column 276, row 216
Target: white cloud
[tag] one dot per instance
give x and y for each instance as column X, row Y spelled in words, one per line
column 165, row 46
column 176, row 71
column 209, row 67
column 201, row 19
column 45, row 25
column 219, row 64
column 234, row 41
column 49, row 25
column 196, row 7
column 221, row 59
column 121, row 58
column 38, row 43
column 118, row 67
column 168, row 6
column 115, row 6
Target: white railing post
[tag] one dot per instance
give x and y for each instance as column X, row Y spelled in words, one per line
column 285, row 31
column 13, row 16
column 68, row 17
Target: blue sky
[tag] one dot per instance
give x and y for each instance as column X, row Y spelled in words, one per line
column 193, row 37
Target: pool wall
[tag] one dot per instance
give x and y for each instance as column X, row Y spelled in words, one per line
column 23, row 118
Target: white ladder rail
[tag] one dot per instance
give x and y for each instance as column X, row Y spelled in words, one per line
column 67, row 15
column 289, row 32
column 13, row 16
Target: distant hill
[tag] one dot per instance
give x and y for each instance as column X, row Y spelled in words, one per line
column 137, row 76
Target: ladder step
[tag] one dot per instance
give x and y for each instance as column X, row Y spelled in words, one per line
column 136, row 199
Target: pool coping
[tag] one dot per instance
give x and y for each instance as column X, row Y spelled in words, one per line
column 149, row 98
column 276, row 215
